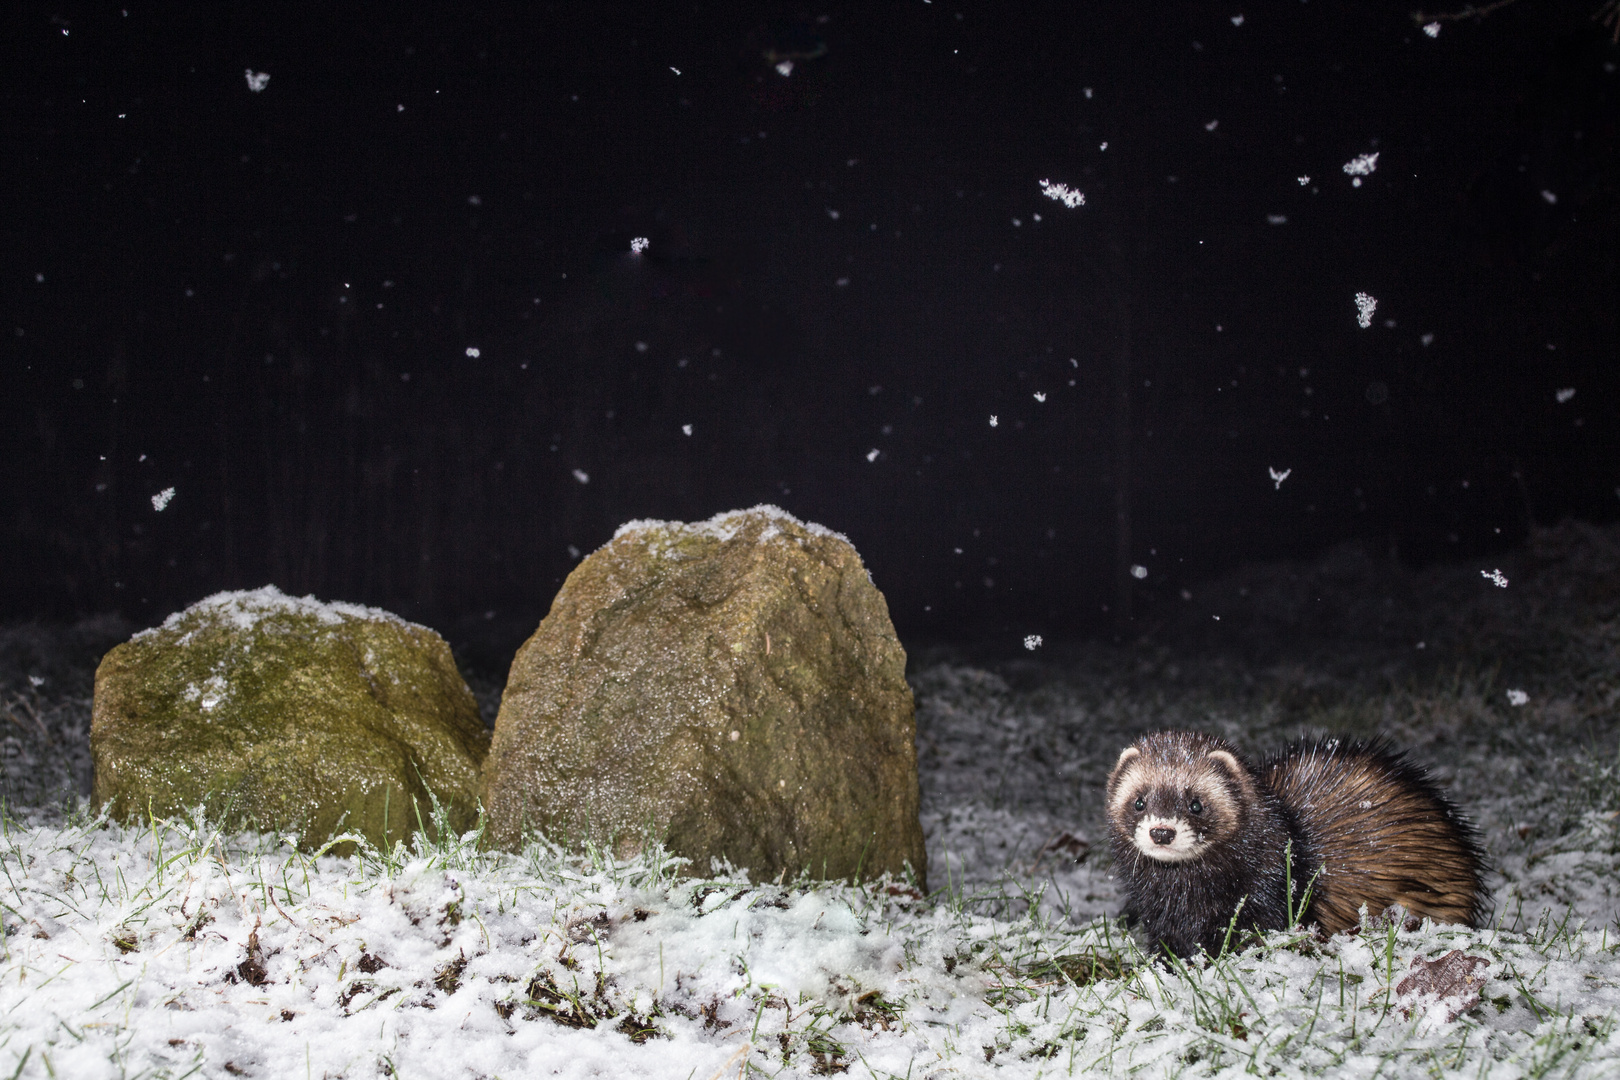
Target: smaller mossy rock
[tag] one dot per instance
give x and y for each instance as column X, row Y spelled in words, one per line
column 734, row 688
column 287, row 714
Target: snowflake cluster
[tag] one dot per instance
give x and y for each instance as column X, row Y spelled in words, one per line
column 1361, row 165
column 1365, row 306
column 1063, row 193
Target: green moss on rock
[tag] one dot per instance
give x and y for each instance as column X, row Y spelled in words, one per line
column 734, row 687
column 287, row 714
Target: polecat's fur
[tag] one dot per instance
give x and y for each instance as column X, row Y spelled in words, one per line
column 1196, row 830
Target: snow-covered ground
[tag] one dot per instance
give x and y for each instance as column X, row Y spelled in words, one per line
column 173, row 950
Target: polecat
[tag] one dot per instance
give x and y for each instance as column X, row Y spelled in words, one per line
column 1327, row 825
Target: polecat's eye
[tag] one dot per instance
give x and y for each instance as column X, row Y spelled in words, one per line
column 1196, row 807
column 1140, row 804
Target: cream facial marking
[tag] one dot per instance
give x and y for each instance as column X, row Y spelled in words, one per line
column 1180, row 841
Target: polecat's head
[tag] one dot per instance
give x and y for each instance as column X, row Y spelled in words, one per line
column 1175, row 794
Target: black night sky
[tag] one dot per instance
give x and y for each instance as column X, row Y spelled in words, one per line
column 380, row 327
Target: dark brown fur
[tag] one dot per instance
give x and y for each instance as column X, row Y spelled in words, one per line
column 1356, row 822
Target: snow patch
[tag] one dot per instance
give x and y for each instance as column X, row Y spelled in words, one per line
column 245, row 609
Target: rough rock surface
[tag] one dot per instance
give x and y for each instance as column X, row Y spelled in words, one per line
column 734, row 687
column 291, row 713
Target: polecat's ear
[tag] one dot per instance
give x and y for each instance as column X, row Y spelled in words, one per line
column 1235, row 769
column 1125, row 757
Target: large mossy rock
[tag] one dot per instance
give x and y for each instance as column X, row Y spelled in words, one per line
column 290, row 714
column 734, row 688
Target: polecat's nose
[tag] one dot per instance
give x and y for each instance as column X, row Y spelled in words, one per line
column 1162, row 834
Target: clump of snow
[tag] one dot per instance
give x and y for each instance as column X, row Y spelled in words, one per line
column 1517, row 697
column 725, row 526
column 244, row 610
column 1365, row 306
column 1063, row 193
column 1361, row 165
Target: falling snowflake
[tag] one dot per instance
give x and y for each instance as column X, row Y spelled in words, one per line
column 686, row 429
column 1212, row 125
column 1552, row 200
column 994, row 420
column 785, row 68
column 472, row 352
column 36, row 681
column 1432, row 29
column 1276, row 219
column 675, row 69
column 1062, row 193
column 1032, row 642
column 1303, row 180
column 638, row 245
column 1359, row 166
column 872, row 455
column 582, row 476
column 1565, row 394
column 1278, row 477
column 1139, row 572
column 1517, row 697
column 1495, row 577
column 1040, row 395
column 1365, row 305
column 1237, row 20
column 162, row 498
column 257, row 81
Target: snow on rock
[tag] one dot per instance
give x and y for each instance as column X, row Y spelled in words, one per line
column 734, row 687
column 302, row 715
column 728, row 525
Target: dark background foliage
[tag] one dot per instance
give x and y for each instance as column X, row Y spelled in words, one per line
column 376, row 322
